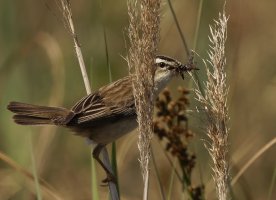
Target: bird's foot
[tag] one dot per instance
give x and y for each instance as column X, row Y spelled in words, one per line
column 110, row 178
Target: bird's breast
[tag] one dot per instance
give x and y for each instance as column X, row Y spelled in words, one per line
column 110, row 131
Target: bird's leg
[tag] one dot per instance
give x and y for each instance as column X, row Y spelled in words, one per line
column 96, row 154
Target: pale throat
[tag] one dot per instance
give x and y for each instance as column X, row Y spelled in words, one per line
column 161, row 82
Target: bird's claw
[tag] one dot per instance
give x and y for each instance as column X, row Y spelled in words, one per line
column 110, row 178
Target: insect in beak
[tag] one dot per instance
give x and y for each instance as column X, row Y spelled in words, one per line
column 186, row 68
column 182, row 75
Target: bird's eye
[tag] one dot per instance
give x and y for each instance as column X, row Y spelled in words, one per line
column 162, row 64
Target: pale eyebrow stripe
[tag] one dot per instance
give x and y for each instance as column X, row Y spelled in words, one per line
column 158, row 60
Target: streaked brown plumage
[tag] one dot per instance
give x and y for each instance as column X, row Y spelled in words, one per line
column 102, row 116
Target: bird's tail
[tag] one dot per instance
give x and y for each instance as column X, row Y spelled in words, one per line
column 27, row 114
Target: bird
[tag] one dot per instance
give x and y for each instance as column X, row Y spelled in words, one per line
column 104, row 115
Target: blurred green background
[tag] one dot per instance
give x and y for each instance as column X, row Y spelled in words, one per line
column 38, row 65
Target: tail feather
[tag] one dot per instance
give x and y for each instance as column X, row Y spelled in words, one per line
column 27, row 114
column 28, row 120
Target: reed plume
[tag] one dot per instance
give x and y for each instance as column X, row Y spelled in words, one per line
column 143, row 32
column 214, row 101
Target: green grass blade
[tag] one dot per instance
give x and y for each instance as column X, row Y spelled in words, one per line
column 114, row 165
column 107, row 55
column 113, row 153
column 199, row 13
column 178, row 28
column 94, row 186
column 272, row 184
column 171, row 180
column 162, row 193
column 34, row 170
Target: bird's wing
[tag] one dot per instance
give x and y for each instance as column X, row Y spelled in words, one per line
column 107, row 104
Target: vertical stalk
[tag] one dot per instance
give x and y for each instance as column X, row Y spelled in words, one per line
column 143, row 32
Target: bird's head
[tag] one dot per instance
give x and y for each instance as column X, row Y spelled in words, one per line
column 167, row 68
